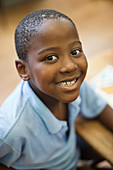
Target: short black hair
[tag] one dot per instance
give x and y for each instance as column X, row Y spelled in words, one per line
column 29, row 26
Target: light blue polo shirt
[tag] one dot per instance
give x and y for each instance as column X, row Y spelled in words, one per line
column 31, row 137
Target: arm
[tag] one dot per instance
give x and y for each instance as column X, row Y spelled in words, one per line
column 106, row 117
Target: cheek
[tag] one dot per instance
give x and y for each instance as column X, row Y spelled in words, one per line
column 43, row 76
column 84, row 64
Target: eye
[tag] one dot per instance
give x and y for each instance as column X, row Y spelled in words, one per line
column 75, row 52
column 51, row 58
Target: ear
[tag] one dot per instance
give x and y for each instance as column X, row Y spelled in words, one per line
column 21, row 67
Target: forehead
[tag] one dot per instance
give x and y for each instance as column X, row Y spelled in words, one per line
column 56, row 26
column 54, row 22
column 54, row 31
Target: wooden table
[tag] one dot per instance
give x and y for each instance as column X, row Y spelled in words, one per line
column 93, row 132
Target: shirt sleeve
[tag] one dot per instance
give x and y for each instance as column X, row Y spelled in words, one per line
column 92, row 103
column 7, row 154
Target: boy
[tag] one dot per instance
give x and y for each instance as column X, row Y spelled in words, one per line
column 37, row 120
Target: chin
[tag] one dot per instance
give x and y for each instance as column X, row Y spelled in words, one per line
column 70, row 99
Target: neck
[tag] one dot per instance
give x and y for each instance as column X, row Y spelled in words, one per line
column 60, row 111
column 58, row 108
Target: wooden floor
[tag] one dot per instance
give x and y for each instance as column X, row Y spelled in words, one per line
column 93, row 18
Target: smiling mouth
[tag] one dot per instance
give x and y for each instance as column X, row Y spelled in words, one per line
column 67, row 83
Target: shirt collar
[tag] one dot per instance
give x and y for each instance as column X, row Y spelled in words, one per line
column 74, row 109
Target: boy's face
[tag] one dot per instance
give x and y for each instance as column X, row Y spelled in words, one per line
column 56, row 63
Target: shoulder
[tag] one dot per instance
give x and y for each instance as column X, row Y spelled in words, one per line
column 11, row 109
column 91, row 102
column 88, row 91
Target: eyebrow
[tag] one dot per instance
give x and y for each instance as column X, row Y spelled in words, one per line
column 76, row 42
column 47, row 49
column 56, row 48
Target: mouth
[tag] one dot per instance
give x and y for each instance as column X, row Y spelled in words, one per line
column 67, row 83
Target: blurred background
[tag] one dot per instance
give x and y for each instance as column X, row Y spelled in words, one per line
column 93, row 18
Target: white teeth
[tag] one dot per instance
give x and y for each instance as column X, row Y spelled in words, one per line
column 68, row 83
column 63, row 84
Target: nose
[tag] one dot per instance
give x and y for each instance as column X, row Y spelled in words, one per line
column 68, row 65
